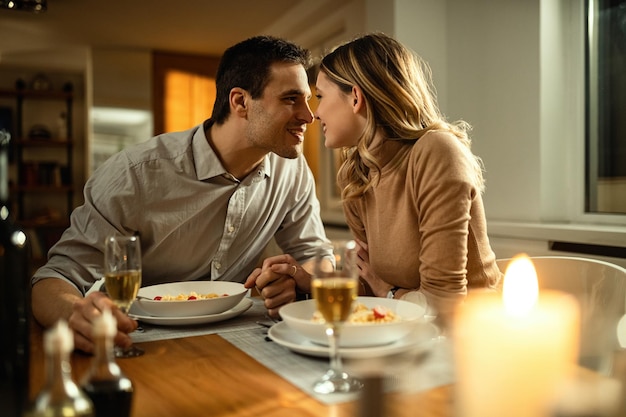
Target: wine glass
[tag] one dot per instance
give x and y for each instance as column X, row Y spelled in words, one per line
column 335, row 288
column 122, row 278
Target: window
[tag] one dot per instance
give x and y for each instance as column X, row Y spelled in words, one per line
column 605, row 191
column 114, row 129
column 188, row 99
column 183, row 90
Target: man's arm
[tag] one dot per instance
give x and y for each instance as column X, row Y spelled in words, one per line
column 54, row 299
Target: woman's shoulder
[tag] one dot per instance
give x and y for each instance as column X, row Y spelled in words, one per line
column 437, row 138
column 440, row 154
column 439, row 143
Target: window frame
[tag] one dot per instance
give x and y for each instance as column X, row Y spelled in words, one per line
column 575, row 44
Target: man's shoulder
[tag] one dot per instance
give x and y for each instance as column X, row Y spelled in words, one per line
column 164, row 146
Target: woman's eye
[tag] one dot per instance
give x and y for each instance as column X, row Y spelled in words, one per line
column 318, row 96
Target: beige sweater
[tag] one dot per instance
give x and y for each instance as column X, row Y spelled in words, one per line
column 424, row 222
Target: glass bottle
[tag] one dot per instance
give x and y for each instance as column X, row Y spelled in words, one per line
column 15, row 301
column 109, row 389
column 60, row 396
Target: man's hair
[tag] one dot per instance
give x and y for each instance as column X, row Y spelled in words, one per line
column 247, row 65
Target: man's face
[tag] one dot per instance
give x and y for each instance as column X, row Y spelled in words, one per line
column 277, row 121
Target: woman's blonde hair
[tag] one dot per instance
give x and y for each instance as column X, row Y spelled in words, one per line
column 400, row 101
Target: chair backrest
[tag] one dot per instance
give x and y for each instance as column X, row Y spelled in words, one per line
column 600, row 288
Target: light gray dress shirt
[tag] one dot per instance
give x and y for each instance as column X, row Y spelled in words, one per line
column 195, row 220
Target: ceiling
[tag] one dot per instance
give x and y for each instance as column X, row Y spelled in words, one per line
column 188, row 26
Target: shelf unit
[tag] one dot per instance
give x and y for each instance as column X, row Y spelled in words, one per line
column 43, row 188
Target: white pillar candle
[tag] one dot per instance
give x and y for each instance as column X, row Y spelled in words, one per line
column 512, row 351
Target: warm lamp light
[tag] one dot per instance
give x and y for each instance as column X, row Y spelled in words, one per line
column 520, row 290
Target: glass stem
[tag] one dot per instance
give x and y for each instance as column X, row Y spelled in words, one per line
column 333, row 333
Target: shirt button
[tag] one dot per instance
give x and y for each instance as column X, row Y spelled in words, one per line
column 231, row 228
column 217, row 265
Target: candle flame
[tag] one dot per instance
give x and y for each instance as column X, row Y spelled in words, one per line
column 520, row 289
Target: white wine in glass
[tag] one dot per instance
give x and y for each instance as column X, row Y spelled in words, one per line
column 334, row 297
column 122, row 278
column 123, row 287
column 335, row 288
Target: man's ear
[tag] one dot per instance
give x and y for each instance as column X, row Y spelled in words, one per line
column 238, row 100
column 358, row 99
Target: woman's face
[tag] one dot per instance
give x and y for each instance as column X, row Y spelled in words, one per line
column 341, row 124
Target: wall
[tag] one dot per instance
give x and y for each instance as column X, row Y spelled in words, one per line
column 494, row 84
column 423, row 26
column 122, row 78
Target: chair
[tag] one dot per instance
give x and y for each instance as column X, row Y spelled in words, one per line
column 600, row 288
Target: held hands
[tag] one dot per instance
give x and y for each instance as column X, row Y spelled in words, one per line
column 86, row 310
column 278, row 280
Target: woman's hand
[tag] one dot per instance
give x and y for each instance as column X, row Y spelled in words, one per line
column 379, row 287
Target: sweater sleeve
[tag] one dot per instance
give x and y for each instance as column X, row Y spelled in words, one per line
column 444, row 191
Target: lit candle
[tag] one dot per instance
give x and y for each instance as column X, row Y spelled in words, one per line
column 512, row 352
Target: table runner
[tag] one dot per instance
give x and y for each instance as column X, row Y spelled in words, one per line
column 429, row 369
column 245, row 321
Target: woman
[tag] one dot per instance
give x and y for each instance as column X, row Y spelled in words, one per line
column 411, row 187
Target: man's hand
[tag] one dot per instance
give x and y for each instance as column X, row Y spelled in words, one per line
column 86, row 310
column 54, row 299
column 277, row 281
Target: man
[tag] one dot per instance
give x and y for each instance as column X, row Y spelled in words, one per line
column 205, row 201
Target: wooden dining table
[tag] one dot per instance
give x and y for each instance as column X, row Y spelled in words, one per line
column 207, row 375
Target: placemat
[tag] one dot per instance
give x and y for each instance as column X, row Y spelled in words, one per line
column 427, row 369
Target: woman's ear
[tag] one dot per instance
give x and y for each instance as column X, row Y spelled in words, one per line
column 358, row 100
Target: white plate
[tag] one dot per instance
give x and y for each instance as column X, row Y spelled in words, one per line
column 420, row 339
column 230, row 294
column 240, row 308
column 299, row 316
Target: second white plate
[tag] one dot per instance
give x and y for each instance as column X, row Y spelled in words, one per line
column 420, row 339
column 242, row 307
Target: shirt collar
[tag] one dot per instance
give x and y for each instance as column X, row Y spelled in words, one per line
column 208, row 165
column 265, row 167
